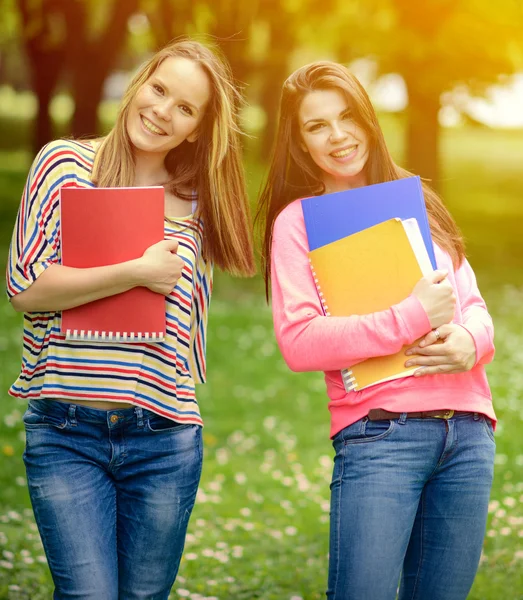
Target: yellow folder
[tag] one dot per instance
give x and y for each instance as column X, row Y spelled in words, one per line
column 366, row 272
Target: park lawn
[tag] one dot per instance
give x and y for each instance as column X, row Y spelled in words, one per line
column 260, row 526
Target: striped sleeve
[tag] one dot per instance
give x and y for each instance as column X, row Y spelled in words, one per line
column 36, row 237
column 200, row 312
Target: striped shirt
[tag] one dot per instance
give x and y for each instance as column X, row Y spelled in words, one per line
column 158, row 376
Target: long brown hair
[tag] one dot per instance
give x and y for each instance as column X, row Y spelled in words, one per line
column 211, row 165
column 293, row 174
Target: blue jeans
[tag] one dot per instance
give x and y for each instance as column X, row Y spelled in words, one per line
column 409, row 501
column 112, row 492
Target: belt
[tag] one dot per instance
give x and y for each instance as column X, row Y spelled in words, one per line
column 379, row 414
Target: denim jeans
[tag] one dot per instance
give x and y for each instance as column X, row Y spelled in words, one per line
column 112, row 492
column 409, row 502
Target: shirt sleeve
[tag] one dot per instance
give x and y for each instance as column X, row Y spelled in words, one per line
column 476, row 319
column 35, row 241
column 200, row 313
column 310, row 341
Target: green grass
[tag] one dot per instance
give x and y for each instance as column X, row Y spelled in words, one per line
column 260, row 526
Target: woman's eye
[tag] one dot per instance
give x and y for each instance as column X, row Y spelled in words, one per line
column 347, row 116
column 316, row 127
column 158, row 88
column 186, row 110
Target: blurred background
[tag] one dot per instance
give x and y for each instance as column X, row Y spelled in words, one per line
column 446, row 77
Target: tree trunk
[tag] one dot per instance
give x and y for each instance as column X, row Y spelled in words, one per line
column 423, row 132
column 47, row 61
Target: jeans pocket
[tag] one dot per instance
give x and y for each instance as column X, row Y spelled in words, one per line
column 368, row 431
column 158, row 424
column 487, row 423
column 43, row 415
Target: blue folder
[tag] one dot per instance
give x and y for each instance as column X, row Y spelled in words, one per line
column 331, row 217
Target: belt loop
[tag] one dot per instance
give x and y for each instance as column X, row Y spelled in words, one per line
column 476, row 416
column 71, row 413
column 403, row 418
column 362, row 425
column 139, row 416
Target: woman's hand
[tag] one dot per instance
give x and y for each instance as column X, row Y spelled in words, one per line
column 160, row 267
column 448, row 349
column 437, row 298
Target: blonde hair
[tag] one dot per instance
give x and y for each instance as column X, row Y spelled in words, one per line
column 211, row 166
column 293, row 174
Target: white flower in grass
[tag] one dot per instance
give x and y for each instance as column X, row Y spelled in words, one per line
column 237, row 552
column 248, row 526
column 183, row 593
column 208, row 552
column 41, row 559
column 287, row 481
column 221, row 557
column 269, row 423
column 21, row 481
column 222, row 456
column 212, row 582
column 222, row 545
column 190, row 556
column 201, row 523
column 518, row 555
column 7, row 554
column 509, row 501
column 493, row 505
column 229, row 579
column 492, row 533
column 229, row 526
column 291, row 530
column 28, row 560
column 277, row 474
column 14, row 588
column 5, row 564
column 180, row 580
column 500, row 513
column 505, row 531
column 215, row 486
column 324, row 519
column 296, row 598
column 240, row 478
column 245, row 512
column 277, row 535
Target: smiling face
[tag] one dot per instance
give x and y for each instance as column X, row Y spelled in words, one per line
column 168, row 107
column 336, row 144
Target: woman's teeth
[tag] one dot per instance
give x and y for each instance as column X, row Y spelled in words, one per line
column 343, row 153
column 151, row 127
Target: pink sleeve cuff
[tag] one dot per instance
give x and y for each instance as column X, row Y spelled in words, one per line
column 482, row 341
column 414, row 317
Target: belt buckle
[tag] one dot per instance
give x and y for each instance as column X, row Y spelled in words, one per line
column 448, row 414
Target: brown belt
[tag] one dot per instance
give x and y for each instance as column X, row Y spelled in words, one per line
column 379, row 414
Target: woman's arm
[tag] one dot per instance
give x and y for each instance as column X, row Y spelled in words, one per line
column 310, row 341
column 60, row 288
column 462, row 346
column 36, row 282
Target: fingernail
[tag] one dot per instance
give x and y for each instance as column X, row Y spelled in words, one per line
column 408, row 363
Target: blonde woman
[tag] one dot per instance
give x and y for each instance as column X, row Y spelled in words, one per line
column 114, row 446
column 414, row 457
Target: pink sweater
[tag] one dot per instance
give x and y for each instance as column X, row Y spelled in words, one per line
column 310, row 341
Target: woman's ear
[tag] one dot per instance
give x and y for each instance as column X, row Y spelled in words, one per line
column 193, row 136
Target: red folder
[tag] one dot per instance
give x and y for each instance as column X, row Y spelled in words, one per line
column 105, row 226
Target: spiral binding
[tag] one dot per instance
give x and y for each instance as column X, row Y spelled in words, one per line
column 80, row 335
column 349, row 381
